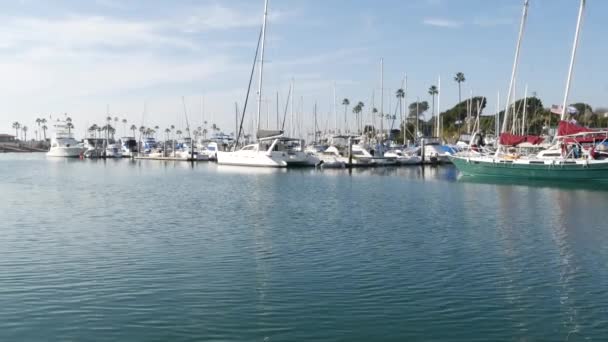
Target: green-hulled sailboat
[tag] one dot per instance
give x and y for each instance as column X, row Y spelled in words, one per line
column 556, row 163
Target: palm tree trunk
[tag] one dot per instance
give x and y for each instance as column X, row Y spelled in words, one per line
column 433, row 110
column 345, row 120
column 459, row 94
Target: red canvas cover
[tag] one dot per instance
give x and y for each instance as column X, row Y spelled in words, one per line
column 509, row 139
column 568, row 128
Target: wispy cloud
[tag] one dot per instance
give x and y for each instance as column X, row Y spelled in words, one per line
column 440, row 22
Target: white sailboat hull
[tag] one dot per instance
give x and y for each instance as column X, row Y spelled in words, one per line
column 252, row 158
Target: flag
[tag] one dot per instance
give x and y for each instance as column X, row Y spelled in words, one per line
column 572, row 110
column 555, row 109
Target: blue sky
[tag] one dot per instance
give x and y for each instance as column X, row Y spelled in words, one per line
column 81, row 56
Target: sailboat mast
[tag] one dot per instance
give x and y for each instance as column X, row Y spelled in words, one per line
column 579, row 22
column 335, row 111
column 497, row 119
column 523, row 116
column 236, row 118
column 262, row 63
column 404, row 107
column 381, row 99
column 522, row 26
column 315, row 126
column 292, row 121
column 438, row 107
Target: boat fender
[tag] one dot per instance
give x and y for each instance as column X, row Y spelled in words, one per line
column 468, row 160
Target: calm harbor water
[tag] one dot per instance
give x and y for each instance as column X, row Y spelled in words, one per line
column 152, row 251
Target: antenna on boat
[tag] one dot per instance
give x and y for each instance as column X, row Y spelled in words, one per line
column 262, row 63
column 522, row 27
column 579, row 22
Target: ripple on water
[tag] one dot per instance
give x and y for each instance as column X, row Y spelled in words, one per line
column 144, row 251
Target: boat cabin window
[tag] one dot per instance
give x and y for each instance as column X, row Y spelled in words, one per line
column 248, row 148
column 358, row 153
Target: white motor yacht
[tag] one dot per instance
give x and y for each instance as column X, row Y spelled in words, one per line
column 330, row 158
column 128, row 146
column 271, row 150
column 63, row 143
column 402, row 158
column 210, row 150
column 148, row 144
column 93, row 147
column 113, row 150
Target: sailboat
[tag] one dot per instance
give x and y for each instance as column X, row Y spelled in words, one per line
column 272, row 148
column 573, row 156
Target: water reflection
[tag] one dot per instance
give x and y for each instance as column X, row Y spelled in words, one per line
column 426, row 173
column 536, row 183
column 246, row 170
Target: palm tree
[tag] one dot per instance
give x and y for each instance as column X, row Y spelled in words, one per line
column 142, row 130
column 361, row 105
column 93, row 130
column 124, row 126
column 179, row 134
column 345, row 103
column 433, row 91
column 38, row 120
column 24, row 129
column 400, row 95
column 357, row 110
column 44, row 128
column 156, row 129
column 459, row 78
column 70, row 126
column 133, row 129
column 16, row 126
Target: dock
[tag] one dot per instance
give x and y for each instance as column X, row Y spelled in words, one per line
column 170, row 159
